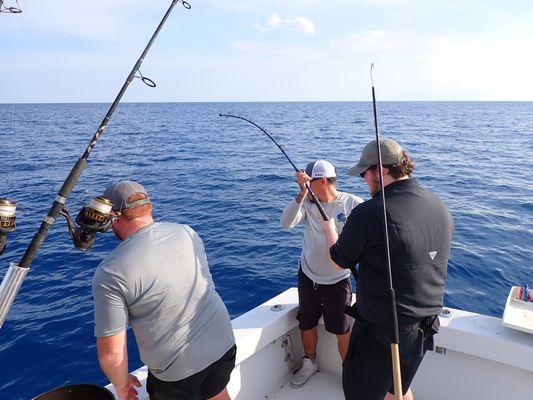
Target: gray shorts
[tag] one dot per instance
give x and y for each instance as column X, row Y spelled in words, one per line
column 328, row 300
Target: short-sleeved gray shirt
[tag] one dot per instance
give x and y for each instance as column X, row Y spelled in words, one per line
column 158, row 281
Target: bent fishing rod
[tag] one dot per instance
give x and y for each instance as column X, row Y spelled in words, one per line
column 395, row 350
column 307, row 185
column 17, row 272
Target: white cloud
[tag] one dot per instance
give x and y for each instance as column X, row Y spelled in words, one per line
column 416, row 59
column 274, row 22
column 305, row 25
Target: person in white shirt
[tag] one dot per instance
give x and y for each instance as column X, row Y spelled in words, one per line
column 322, row 290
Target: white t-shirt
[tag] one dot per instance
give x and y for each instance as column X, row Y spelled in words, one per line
column 314, row 260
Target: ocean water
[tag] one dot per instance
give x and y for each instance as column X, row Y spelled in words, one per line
column 227, row 180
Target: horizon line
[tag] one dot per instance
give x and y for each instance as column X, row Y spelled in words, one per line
column 270, row 101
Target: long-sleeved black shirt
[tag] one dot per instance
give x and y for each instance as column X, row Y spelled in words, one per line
column 420, row 234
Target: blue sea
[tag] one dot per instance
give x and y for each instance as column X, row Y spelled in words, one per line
column 229, row 182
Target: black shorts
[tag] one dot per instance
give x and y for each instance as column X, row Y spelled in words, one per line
column 328, row 300
column 367, row 368
column 200, row 386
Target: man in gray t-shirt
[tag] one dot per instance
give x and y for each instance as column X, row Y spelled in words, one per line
column 322, row 291
column 158, row 282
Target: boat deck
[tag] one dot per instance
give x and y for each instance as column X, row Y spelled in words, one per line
column 476, row 357
column 320, row 386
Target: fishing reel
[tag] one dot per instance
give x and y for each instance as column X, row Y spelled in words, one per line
column 11, row 10
column 7, row 220
column 96, row 217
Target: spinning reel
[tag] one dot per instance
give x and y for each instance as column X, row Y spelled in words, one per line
column 7, row 220
column 96, row 217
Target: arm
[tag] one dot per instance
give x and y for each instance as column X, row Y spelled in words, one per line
column 113, row 359
column 110, row 323
column 346, row 249
column 293, row 214
column 330, row 231
column 331, row 238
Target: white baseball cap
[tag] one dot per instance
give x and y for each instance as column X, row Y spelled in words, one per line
column 320, row 169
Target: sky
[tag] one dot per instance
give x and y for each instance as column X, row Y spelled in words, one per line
column 252, row 50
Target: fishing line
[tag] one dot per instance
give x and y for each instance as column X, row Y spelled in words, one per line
column 115, row 138
column 138, row 148
column 105, row 154
column 307, row 186
column 103, row 157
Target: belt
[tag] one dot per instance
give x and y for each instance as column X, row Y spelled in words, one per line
column 425, row 323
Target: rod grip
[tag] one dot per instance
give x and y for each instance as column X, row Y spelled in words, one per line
column 396, row 372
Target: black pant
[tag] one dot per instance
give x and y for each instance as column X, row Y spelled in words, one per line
column 367, row 369
column 329, row 301
column 200, row 386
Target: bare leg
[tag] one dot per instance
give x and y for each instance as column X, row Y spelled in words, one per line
column 224, row 395
column 343, row 341
column 309, row 341
column 407, row 396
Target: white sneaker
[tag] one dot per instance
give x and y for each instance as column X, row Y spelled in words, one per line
column 309, row 367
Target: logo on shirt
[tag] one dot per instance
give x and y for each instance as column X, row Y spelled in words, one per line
column 432, row 254
column 341, row 217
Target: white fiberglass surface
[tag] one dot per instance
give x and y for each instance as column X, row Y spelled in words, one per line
column 320, row 386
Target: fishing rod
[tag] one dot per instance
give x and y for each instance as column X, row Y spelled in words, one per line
column 95, row 217
column 307, row 185
column 10, row 10
column 395, row 350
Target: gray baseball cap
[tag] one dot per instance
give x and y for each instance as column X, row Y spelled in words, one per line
column 120, row 192
column 391, row 153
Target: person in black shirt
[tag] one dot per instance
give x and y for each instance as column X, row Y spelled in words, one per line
column 420, row 234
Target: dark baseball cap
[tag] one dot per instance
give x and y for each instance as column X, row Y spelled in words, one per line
column 391, row 154
column 120, row 192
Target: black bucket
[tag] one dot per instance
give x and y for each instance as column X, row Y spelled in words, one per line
column 82, row 391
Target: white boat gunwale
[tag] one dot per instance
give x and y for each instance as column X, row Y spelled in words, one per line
column 467, row 341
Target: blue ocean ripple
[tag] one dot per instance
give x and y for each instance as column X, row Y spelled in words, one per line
column 228, row 181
